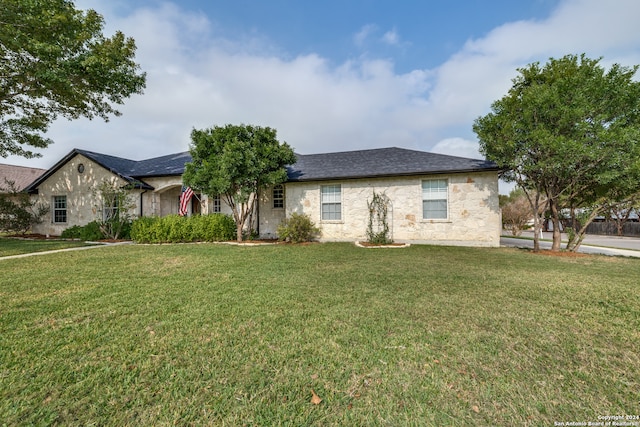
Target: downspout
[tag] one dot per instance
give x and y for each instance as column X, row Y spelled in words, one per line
column 141, row 213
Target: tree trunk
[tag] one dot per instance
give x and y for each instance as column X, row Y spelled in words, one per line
column 534, row 202
column 555, row 219
column 574, row 245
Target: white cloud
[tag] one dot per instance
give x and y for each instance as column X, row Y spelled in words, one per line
column 365, row 32
column 458, row 147
column 391, row 38
column 197, row 78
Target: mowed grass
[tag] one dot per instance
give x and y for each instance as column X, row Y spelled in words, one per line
column 210, row 334
column 13, row 246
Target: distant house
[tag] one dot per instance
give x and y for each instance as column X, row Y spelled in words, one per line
column 21, row 176
column 434, row 198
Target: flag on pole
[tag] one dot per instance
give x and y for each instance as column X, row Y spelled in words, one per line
column 185, row 197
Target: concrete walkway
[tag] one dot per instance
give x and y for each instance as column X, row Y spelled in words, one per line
column 592, row 244
column 78, row 248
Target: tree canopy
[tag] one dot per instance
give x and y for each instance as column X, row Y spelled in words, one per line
column 236, row 162
column 55, row 62
column 567, row 132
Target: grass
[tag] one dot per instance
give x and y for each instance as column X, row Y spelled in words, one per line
column 11, row 246
column 226, row 335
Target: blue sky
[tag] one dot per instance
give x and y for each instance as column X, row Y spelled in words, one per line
column 336, row 75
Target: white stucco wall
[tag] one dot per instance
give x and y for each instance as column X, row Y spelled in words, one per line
column 80, row 190
column 473, row 210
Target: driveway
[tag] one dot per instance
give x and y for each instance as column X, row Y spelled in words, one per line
column 592, row 244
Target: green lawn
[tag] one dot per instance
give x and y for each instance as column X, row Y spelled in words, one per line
column 226, row 335
column 11, row 246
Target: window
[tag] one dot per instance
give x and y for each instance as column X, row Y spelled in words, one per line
column 331, row 202
column 217, row 207
column 278, row 197
column 59, row 209
column 110, row 209
column 434, row 199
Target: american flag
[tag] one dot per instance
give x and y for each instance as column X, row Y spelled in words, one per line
column 187, row 194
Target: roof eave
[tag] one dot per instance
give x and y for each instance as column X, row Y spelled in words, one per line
column 403, row 174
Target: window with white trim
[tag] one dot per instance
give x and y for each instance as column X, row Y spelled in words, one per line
column 217, row 205
column 331, row 202
column 59, row 209
column 278, row 196
column 434, row 199
column 110, row 209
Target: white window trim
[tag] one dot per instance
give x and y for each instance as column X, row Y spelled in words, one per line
column 54, row 209
column 448, row 200
column 216, row 203
column 332, row 221
column 273, row 201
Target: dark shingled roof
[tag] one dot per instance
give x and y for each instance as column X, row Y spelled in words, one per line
column 382, row 162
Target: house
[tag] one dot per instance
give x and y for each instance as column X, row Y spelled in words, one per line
column 434, row 198
column 21, row 176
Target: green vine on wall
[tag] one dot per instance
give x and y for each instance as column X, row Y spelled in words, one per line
column 378, row 228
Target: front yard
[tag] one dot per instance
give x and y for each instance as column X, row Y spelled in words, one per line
column 200, row 334
column 17, row 246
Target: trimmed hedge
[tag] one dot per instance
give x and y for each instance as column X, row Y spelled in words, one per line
column 174, row 229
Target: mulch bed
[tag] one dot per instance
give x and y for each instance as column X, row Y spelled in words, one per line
column 561, row 254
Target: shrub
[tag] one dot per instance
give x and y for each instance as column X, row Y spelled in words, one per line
column 17, row 212
column 297, row 228
column 89, row 232
column 174, row 228
column 71, row 232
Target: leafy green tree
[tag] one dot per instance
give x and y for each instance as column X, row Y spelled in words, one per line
column 55, row 62
column 18, row 213
column 236, row 162
column 568, row 132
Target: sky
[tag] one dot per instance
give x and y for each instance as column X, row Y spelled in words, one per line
column 335, row 75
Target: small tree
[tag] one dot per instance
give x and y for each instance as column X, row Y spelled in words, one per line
column 620, row 213
column 237, row 162
column 516, row 211
column 378, row 227
column 113, row 209
column 17, row 212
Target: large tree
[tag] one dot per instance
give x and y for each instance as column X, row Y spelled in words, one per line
column 55, row 62
column 236, row 162
column 567, row 132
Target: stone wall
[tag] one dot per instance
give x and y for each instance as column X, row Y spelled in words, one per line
column 473, row 210
column 80, row 190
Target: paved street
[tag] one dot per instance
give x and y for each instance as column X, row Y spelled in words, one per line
column 605, row 245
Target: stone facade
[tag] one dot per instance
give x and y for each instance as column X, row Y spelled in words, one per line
column 473, row 217
column 78, row 185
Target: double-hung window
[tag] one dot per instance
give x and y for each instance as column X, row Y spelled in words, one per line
column 278, row 196
column 59, row 209
column 110, row 209
column 331, row 201
column 434, row 199
column 217, row 205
